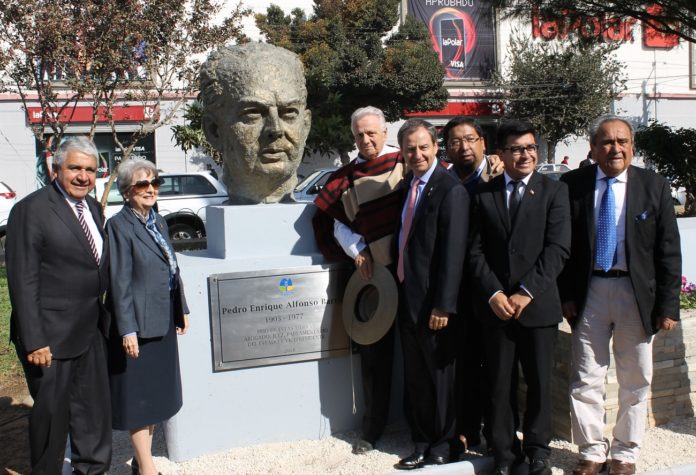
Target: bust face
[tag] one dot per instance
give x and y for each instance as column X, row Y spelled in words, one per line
column 262, row 129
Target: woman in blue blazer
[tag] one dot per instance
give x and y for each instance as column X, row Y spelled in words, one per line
column 149, row 310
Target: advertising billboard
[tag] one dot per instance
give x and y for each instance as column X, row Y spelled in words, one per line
column 463, row 35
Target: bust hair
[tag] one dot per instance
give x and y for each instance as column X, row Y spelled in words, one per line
column 412, row 125
column 229, row 67
column 75, row 143
column 365, row 111
column 127, row 169
column 601, row 120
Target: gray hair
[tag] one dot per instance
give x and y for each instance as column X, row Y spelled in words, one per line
column 75, row 143
column 128, row 168
column 603, row 119
column 364, row 111
column 228, row 68
column 411, row 125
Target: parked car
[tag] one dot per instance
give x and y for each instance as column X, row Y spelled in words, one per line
column 553, row 175
column 307, row 189
column 679, row 196
column 7, row 200
column 552, row 167
column 182, row 200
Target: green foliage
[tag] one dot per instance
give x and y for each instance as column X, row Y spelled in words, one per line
column 674, row 16
column 559, row 87
column 190, row 135
column 9, row 364
column 673, row 153
column 352, row 60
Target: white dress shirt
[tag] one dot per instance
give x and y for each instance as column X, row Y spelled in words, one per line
column 91, row 224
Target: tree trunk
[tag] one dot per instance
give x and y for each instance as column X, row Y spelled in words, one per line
column 345, row 158
column 550, row 152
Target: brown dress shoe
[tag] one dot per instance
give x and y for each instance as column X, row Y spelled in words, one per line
column 589, row 467
column 617, row 467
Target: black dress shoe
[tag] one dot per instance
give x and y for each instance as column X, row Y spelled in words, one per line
column 435, row 460
column 362, row 446
column 415, row 460
column 539, row 467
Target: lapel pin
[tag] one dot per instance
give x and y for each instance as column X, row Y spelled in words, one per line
column 531, row 192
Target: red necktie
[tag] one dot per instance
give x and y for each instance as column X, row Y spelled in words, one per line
column 408, row 219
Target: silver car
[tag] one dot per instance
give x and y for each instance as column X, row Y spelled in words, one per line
column 307, row 189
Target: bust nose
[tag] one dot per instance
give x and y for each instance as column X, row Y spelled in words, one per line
column 272, row 126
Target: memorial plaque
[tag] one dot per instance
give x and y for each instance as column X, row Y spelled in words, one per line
column 277, row 316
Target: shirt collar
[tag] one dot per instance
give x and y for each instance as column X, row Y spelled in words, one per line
column 426, row 176
column 477, row 173
column 621, row 177
column 70, row 199
column 524, row 180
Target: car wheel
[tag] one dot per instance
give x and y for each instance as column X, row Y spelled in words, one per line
column 182, row 231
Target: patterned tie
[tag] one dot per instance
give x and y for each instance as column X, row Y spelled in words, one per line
column 80, row 206
column 606, row 229
column 408, row 218
column 514, row 200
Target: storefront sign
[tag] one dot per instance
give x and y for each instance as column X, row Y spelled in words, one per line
column 83, row 114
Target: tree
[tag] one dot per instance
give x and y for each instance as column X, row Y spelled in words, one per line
column 673, row 153
column 352, row 59
column 559, row 87
column 676, row 17
column 105, row 54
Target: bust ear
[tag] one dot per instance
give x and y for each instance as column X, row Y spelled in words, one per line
column 211, row 131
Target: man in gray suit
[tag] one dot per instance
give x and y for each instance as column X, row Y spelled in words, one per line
column 57, row 271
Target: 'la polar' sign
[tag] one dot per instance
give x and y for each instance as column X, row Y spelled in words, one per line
column 277, row 316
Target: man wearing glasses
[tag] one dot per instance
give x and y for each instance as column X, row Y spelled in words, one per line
column 521, row 240
column 465, row 145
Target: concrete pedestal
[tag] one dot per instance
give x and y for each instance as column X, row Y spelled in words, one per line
column 305, row 400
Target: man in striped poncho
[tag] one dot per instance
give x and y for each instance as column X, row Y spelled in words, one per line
column 358, row 211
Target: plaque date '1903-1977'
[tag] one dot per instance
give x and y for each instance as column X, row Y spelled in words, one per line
column 277, row 316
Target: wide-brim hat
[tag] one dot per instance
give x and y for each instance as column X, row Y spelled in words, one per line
column 369, row 306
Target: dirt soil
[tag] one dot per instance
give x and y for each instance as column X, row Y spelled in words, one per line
column 15, row 405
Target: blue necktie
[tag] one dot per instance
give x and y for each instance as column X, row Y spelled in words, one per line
column 606, row 229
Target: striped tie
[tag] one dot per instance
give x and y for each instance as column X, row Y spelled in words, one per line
column 81, row 218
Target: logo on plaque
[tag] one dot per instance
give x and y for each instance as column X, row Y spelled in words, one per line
column 286, row 286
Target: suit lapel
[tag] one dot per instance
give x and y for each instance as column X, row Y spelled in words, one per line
column 499, row 197
column 62, row 209
column 633, row 207
column 588, row 203
column 142, row 234
column 531, row 193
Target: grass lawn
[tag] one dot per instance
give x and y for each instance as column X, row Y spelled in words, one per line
column 9, row 365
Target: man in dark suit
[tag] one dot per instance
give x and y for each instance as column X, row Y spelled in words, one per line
column 57, row 269
column 431, row 243
column 587, row 161
column 465, row 144
column 622, row 282
column 521, row 239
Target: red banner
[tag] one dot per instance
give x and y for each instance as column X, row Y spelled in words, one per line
column 78, row 114
column 454, row 109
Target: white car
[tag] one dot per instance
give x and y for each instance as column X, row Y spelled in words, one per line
column 679, row 196
column 182, row 200
column 309, row 187
column 7, row 200
column 552, row 167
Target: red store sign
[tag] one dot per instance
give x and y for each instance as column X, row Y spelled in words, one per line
column 78, row 114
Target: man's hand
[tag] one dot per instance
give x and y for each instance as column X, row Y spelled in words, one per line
column 130, row 346
column 363, row 262
column 438, row 319
column 182, row 330
column 570, row 311
column 666, row 323
column 40, row 357
column 519, row 301
column 497, row 165
column 501, row 306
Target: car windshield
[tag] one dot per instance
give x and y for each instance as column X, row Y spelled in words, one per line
column 304, row 183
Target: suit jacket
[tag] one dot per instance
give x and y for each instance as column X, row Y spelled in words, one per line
column 530, row 252
column 435, row 249
column 653, row 251
column 56, row 286
column 140, row 296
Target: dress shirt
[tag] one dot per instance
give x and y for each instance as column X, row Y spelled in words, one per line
column 619, row 189
column 87, row 214
column 351, row 242
column 419, row 192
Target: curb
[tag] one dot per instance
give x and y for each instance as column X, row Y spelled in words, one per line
column 688, row 469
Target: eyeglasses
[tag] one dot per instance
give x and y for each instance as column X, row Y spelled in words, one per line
column 517, row 149
column 143, row 185
column 456, row 143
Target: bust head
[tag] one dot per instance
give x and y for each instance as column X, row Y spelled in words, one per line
column 255, row 113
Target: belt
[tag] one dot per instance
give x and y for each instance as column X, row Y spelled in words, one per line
column 610, row 274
